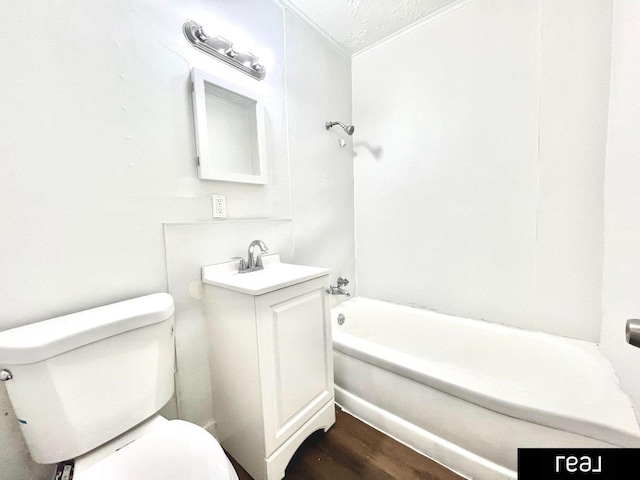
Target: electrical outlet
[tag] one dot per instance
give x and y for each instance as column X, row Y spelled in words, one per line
column 219, row 204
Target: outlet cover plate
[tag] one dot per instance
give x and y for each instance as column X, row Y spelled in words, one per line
column 219, row 205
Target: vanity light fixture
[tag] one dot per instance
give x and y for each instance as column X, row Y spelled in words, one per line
column 222, row 49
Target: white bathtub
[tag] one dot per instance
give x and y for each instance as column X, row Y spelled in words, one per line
column 468, row 393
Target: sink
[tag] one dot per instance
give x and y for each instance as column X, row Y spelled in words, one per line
column 275, row 275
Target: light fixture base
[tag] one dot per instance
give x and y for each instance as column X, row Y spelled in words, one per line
column 222, row 49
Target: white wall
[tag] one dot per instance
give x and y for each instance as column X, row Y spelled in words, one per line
column 319, row 90
column 98, row 145
column 480, row 149
column 97, row 151
column 575, row 73
column 622, row 208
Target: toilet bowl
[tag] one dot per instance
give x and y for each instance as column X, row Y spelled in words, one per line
column 89, row 386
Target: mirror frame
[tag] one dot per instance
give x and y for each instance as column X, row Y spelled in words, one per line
column 206, row 158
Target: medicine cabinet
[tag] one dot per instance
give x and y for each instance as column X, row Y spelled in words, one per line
column 229, row 128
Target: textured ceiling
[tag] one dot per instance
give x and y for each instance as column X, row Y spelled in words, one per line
column 356, row 24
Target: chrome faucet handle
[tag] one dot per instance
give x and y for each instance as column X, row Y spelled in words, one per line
column 339, row 290
column 243, row 265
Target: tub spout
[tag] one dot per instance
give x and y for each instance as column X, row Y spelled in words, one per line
column 338, row 291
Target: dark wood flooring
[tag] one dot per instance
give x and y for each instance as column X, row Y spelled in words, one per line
column 353, row 450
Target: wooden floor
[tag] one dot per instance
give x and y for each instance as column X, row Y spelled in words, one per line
column 353, row 450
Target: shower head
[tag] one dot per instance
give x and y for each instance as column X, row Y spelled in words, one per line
column 347, row 128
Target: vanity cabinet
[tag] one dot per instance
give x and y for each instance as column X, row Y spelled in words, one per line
column 271, row 367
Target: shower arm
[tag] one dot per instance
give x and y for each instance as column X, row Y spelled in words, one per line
column 347, row 128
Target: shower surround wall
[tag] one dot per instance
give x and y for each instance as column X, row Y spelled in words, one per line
column 98, row 151
column 322, row 172
column 480, row 148
column 621, row 282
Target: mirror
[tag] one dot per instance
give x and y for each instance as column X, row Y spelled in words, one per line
column 229, row 124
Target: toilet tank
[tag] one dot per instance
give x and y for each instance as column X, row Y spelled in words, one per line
column 82, row 379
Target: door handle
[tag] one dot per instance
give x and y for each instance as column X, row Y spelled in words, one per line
column 633, row 332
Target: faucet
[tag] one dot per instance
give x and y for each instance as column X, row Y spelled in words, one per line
column 339, row 290
column 254, row 262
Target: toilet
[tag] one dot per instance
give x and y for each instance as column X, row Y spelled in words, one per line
column 88, row 387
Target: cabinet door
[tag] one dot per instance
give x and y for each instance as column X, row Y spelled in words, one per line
column 296, row 367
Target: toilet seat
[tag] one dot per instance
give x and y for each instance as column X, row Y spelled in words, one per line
column 174, row 450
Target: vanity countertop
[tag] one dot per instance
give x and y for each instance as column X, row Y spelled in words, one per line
column 275, row 275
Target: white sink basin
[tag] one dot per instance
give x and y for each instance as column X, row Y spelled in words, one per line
column 275, row 275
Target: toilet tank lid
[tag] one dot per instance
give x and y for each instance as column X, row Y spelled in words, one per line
column 39, row 341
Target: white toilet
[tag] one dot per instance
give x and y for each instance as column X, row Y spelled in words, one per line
column 88, row 386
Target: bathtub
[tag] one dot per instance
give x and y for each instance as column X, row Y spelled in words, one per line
column 468, row 393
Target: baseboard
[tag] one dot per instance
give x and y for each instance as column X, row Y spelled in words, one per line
column 453, row 457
